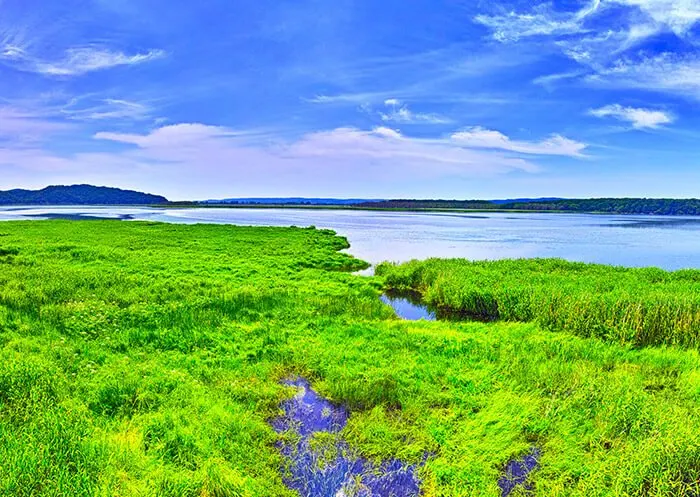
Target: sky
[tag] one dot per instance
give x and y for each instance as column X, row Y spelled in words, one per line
column 353, row 98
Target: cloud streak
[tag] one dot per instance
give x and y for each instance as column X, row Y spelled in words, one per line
column 75, row 61
column 399, row 113
column 479, row 137
column 666, row 72
column 638, row 118
column 604, row 49
column 20, row 126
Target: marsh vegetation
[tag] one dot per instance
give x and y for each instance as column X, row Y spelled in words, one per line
column 639, row 306
column 146, row 359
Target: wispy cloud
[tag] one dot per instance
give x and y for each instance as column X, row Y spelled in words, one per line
column 604, row 50
column 637, row 117
column 479, row 137
column 106, row 108
column 364, row 98
column 579, row 36
column 398, row 112
column 542, row 21
column 75, row 61
column 551, row 79
column 22, row 126
column 677, row 15
column 337, row 146
column 665, row 72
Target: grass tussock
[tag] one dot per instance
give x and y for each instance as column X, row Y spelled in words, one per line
column 645, row 306
column 141, row 359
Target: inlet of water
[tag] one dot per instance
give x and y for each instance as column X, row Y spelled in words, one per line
column 408, row 306
column 332, row 471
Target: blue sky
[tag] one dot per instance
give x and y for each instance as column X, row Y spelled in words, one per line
column 353, row 98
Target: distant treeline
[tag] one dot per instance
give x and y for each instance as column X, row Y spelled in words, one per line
column 430, row 204
column 669, row 207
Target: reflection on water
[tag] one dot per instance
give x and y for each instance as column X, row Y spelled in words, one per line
column 517, row 473
column 664, row 241
column 683, row 222
column 80, row 217
column 313, row 473
column 408, row 306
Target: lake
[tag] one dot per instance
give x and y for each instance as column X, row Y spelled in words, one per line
column 663, row 241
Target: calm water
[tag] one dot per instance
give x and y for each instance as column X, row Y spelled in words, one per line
column 667, row 242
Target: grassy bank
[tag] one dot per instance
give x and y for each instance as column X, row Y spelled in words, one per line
column 639, row 306
column 142, row 359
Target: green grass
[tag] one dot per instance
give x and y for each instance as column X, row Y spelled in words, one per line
column 141, row 359
column 645, row 306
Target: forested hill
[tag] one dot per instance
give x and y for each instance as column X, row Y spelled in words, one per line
column 79, row 195
column 671, row 207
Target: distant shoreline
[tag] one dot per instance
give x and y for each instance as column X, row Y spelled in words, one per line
column 184, row 205
column 176, row 205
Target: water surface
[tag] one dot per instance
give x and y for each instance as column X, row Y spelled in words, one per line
column 670, row 242
column 408, row 306
column 333, row 471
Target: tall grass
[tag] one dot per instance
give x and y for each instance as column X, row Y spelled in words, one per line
column 141, row 359
column 639, row 306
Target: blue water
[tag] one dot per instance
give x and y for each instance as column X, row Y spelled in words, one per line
column 517, row 473
column 408, row 309
column 662, row 241
column 316, row 475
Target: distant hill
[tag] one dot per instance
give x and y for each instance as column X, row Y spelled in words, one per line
column 289, row 201
column 79, row 195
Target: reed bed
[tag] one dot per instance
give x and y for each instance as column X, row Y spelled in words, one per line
column 640, row 306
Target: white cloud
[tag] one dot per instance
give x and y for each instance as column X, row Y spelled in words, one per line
column 83, row 60
column 667, row 72
column 400, row 113
column 198, row 143
column 677, row 15
column 74, row 61
column 479, row 137
column 348, row 98
column 543, row 21
column 578, row 39
column 106, row 108
column 639, row 118
column 551, row 79
column 208, row 161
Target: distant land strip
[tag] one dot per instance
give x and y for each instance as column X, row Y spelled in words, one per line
column 649, row 206
column 101, row 195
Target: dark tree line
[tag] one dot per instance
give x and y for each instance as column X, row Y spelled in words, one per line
column 669, row 207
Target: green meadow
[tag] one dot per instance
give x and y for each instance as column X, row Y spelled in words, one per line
column 145, row 359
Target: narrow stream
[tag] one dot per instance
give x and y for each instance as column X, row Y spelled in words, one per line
column 408, row 306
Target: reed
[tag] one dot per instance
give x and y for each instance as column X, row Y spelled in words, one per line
column 642, row 307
